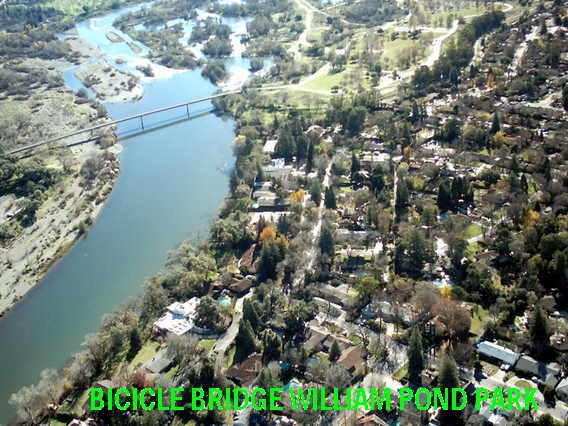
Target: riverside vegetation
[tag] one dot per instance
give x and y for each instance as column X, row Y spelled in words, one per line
column 467, row 186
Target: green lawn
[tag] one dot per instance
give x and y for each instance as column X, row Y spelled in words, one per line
column 230, row 356
column 401, row 373
column 523, row 384
column 208, row 343
column 472, row 250
column 473, row 231
column 75, row 408
column 327, row 81
column 146, row 352
column 355, row 339
column 477, row 321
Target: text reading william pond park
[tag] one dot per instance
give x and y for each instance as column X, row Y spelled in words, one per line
column 317, row 399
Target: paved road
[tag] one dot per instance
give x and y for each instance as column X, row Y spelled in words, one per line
column 226, row 339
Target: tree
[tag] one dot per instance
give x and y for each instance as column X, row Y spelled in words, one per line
column 233, row 181
column 183, row 349
column 330, row 202
column 496, row 124
column 367, row 288
column 539, row 331
column 415, row 111
column 310, row 158
column 445, row 201
column 402, row 194
column 286, row 146
column 269, row 258
column 455, row 318
column 327, row 242
column 418, row 249
column 377, row 180
column 250, row 314
column 23, row 401
column 301, row 146
column 209, row 314
column 271, row 345
column 415, row 356
column 245, row 340
column 355, row 165
column 448, row 379
column 337, row 377
column 334, row 351
column 454, row 76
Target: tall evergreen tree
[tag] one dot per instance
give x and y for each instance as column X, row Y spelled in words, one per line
column 415, row 356
column 250, row 314
column 327, row 242
column 448, row 379
column 355, row 165
column 453, row 76
column 524, row 184
column 402, row 194
column 233, row 181
column 377, row 181
column 539, row 331
column 445, row 196
column 301, row 146
column 310, row 158
column 245, row 340
column 330, row 202
column 268, row 261
column 334, row 351
column 415, row 111
column 496, row 124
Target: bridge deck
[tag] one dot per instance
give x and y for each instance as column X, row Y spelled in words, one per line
column 121, row 120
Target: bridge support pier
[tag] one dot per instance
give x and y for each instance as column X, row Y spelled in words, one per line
column 142, row 121
column 187, row 107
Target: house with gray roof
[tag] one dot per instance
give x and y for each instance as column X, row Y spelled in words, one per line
column 496, row 352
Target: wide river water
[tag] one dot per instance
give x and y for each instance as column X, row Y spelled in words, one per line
column 173, row 180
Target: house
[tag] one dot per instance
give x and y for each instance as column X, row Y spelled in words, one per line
column 158, row 363
column 353, row 360
column 88, row 422
column 562, row 390
column 316, row 338
column 245, row 372
column 179, row 317
column 339, row 294
column 241, row 287
column 249, row 259
column 499, row 353
column 371, row 420
column 548, row 373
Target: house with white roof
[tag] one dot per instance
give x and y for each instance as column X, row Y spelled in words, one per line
column 497, row 352
column 179, row 317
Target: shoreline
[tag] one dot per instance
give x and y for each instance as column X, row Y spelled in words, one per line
column 56, row 230
column 65, row 215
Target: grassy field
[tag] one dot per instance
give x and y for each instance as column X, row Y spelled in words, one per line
column 401, row 373
column 146, row 352
column 473, row 249
column 351, row 74
column 473, row 231
column 230, row 356
column 477, row 321
column 207, row 344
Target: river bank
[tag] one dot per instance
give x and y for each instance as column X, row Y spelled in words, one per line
column 72, row 203
column 60, row 221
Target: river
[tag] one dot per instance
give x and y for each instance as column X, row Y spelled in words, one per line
column 170, row 188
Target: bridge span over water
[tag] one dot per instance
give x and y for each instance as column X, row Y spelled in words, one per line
column 121, row 120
